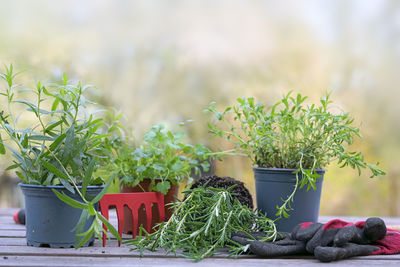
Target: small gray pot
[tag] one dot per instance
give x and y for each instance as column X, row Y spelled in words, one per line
column 273, row 185
column 49, row 221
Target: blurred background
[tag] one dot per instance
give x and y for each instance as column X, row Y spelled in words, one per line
column 165, row 61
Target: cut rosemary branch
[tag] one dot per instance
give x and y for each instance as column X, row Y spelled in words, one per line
column 202, row 223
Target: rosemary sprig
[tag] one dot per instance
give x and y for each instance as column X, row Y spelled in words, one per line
column 202, row 223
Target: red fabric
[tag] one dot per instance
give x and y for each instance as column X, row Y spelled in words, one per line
column 333, row 224
column 390, row 244
column 305, row 224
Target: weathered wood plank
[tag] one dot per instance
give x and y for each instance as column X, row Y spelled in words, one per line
column 61, row 261
column 124, row 251
column 8, row 211
column 9, row 241
column 12, row 233
column 11, row 226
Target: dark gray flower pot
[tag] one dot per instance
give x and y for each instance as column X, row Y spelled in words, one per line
column 274, row 184
column 49, row 221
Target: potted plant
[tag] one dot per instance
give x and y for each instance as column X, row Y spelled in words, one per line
column 55, row 152
column 160, row 163
column 290, row 143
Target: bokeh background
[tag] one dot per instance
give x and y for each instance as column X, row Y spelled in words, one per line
column 165, row 61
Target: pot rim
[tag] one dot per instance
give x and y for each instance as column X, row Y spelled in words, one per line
column 56, row 186
column 282, row 169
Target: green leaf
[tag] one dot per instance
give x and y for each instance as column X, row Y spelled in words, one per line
column 31, row 106
column 18, row 157
column 78, row 229
column 56, row 142
column 55, row 104
column 163, row 187
column 65, row 79
column 177, row 166
column 110, row 227
column 86, row 236
column 40, row 138
column 101, row 194
column 54, row 170
column 14, row 166
column 2, row 148
column 21, row 176
column 88, row 175
column 52, row 126
column 70, row 201
column 140, row 168
column 91, row 209
column 67, row 185
column 46, row 92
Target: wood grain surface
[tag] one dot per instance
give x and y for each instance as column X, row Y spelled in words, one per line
column 14, row 252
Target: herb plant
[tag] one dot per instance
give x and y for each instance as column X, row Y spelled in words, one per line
column 163, row 157
column 60, row 146
column 204, row 222
column 293, row 135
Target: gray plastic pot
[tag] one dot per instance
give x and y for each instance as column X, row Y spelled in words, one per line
column 49, row 221
column 274, row 184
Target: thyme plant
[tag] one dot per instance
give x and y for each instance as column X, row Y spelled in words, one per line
column 202, row 223
column 59, row 147
column 293, row 135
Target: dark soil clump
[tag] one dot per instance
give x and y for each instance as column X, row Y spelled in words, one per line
column 239, row 192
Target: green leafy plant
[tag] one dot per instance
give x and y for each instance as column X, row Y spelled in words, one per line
column 163, row 157
column 293, row 135
column 204, row 222
column 59, row 147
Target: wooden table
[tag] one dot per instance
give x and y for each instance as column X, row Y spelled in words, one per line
column 14, row 252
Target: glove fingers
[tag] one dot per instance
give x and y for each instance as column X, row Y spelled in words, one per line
column 374, row 229
column 306, row 233
column 328, row 254
column 349, row 234
column 266, row 249
column 287, row 242
column 315, row 240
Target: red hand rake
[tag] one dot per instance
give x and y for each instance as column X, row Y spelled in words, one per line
column 133, row 201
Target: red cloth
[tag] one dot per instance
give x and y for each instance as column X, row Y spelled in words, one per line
column 390, row 244
column 305, row 224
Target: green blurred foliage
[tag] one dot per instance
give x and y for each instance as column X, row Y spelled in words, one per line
column 165, row 61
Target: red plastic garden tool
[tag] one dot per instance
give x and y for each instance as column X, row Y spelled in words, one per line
column 133, row 201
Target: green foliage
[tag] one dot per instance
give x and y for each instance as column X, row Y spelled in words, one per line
column 163, row 157
column 203, row 222
column 293, row 135
column 60, row 146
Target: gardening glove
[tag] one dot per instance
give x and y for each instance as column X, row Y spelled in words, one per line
column 328, row 242
column 282, row 246
column 368, row 237
column 338, row 240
